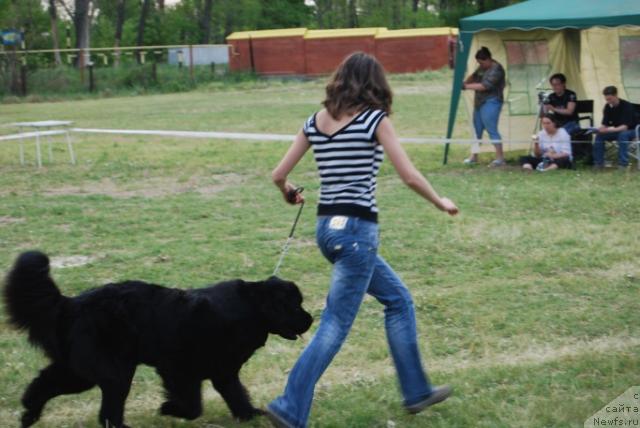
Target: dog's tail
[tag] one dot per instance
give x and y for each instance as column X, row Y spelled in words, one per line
column 33, row 301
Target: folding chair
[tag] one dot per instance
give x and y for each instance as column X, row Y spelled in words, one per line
column 581, row 150
column 634, row 146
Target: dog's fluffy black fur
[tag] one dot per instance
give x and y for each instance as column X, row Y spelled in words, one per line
column 99, row 337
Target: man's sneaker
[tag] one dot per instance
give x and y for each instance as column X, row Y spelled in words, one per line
column 470, row 161
column 277, row 420
column 497, row 162
column 439, row 393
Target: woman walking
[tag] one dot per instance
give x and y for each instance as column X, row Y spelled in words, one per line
column 349, row 138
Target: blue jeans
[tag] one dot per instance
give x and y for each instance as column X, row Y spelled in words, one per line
column 571, row 127
column 486, row 117
column 358, row 269
column 623, row 139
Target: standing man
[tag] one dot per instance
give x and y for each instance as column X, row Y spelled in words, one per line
column 562, row 104
column 617, row 125
column 488, row 82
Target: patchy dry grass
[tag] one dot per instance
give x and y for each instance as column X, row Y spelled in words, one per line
column 527, row 303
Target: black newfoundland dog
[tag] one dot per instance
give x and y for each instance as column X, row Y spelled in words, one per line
column 99, row 337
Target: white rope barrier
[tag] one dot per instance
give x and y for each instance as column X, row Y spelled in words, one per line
column 247, row 136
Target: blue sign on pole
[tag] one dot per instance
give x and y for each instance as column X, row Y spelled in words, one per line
column 11, row 37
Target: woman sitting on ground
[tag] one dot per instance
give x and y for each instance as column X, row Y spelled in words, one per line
column 552, row 148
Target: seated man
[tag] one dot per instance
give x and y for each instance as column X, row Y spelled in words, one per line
column 617, row 125
column 562, row 103
column 552, row 148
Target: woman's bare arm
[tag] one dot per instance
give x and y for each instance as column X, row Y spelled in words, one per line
column 474, row 86
column 407, row 171
column 289, row 161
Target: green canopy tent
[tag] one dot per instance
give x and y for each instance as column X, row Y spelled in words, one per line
column 594, row 42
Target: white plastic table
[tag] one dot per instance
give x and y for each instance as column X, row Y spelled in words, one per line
column 45, row 128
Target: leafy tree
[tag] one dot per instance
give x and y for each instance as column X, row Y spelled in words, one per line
column 152, row 22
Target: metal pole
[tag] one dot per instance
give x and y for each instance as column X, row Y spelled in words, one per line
column 154, row 70
column 191, row 61
column 253, row 66
column 91, row 82
column 68, row 41
column 81, row 65
column 23, row 65
column 23, row 76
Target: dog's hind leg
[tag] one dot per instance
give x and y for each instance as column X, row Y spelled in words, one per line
column 52, row 381
column 236, row 397
column 184, row 397
column 114, row 394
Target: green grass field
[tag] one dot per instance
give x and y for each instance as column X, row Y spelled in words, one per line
column 527, row 302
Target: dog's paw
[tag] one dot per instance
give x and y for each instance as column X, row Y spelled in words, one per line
column 250, row 414
column 171, row 408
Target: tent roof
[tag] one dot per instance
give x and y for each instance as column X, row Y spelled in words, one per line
column 556, row 14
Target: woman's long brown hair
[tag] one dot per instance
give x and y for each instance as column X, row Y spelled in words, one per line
column 359, row 83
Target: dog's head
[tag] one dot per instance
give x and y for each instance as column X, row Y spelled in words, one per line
column 279, row 303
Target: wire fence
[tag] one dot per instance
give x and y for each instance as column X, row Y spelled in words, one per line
column 68, row 71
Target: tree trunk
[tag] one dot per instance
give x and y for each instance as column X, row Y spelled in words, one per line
column 323, row 8
column 205, row 22
column 415, row 6
column 160, row 5
column 353, row 14
column 53, row 15
column 81, row 23
column 396, row 13
column 120, row 11
column 142, row 24
column 228, row 25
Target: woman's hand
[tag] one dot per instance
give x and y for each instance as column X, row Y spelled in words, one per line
column 447, row 205
column 291, row 158
column 291, row 195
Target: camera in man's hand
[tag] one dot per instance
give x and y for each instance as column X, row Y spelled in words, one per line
column 543, row 97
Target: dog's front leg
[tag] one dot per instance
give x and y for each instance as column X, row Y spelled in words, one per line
column 236, row 397
column 184, row 398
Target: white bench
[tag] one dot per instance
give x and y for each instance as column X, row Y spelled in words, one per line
column 45, row 128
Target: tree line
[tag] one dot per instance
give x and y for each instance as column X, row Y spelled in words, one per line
column 51, row 24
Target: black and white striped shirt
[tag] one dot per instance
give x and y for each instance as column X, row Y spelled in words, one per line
column 348, row 162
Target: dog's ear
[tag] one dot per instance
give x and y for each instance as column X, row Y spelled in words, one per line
column 258, row 292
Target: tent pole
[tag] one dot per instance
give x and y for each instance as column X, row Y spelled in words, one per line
column 462, row 55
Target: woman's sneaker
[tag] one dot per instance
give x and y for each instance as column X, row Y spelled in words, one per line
column 497, row 162
column 470, row 161
column 439, row 394
column 277, row 420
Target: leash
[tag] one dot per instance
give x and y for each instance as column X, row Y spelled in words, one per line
column 290, row 196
